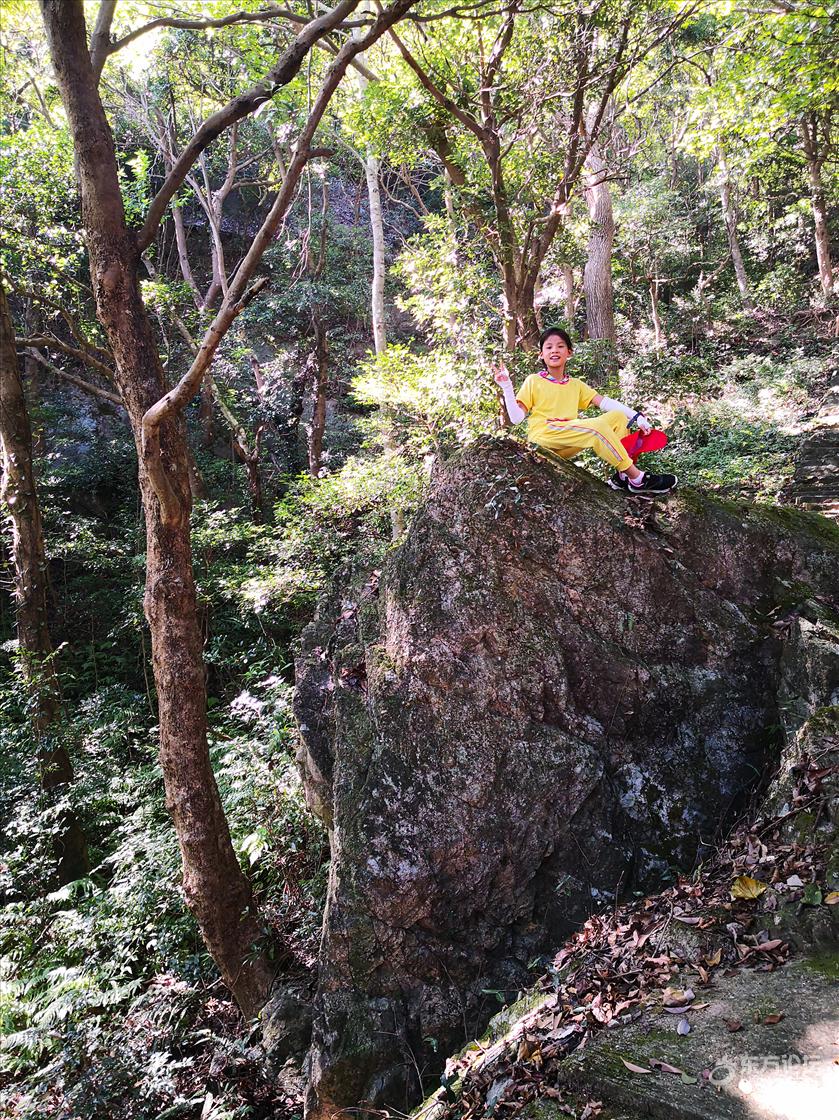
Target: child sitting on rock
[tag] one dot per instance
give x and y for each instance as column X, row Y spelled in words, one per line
column 552, row 400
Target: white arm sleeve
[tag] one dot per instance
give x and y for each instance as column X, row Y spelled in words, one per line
column 607, row 405
column 514, row 409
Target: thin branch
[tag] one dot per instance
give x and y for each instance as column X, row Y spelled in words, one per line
column 183, row 24
column 53, row 343
column 74, row 328
column 86, row 386
column 238, row 295
column 466, row 119
column 241, row 106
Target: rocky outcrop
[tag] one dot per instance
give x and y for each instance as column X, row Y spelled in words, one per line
column 549, row 693
column 816, row 481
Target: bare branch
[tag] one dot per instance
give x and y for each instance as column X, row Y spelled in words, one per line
column 100, row 40
column 74, row 328
column 53, row 343
column 241, row 106
column 79, row 382
column 238, row 297
column 183, row 24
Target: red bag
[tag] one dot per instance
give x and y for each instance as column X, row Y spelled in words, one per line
column 637, row 443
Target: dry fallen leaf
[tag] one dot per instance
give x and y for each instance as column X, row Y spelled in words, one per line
column 665, row 1067
column 734, row 1025
column 633, row 1068
column 683, row 1027
column 675, row 997
column 831, row 898
column 772, row 1019
column 768, row 946
column 746, row 887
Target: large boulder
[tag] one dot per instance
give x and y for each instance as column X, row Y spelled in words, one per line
column 550, row 693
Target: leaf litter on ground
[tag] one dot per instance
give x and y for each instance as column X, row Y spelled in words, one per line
column 605, row 975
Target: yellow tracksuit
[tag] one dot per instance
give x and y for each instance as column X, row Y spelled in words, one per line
column 552, row 421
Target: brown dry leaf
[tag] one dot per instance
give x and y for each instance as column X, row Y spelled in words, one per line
column 746, row 887
column 831, row 898
column 714, row 959
column 633, row 1068
column 676, row 997
column 771, row 1020
column 734, row 1025
column 687, row 921
column 768, row 946
column 527, row 1047
column 665, row 1067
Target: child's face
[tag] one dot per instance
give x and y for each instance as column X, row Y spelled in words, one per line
column 555, row 352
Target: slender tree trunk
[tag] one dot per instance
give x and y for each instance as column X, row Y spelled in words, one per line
column 659, row 334
column 320, row 361
column 205, row 414
column 815, row 162
column 372, row 171
column 730, row 215
column 183, row 254
column 597, row 278
column 216, row 890
column 20, row 499
column 568, row 277
column 377, row 294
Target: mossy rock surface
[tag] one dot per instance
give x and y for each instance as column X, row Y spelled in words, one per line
column 550, row 691
column 785, row 1070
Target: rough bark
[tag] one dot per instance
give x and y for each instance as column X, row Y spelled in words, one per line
column 597, row 277
column 816, row 150
column 19, row 496
column 517, row 715
column 216, row 890
column 730, row 216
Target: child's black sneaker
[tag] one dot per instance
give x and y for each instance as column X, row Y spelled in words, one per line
column 653, row 484
column 618, row 482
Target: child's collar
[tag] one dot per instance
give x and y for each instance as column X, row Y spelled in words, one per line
column 556, row 380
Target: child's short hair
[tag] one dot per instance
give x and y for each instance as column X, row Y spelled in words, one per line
column 564, row 335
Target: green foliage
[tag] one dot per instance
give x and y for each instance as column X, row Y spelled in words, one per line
column 430, row 402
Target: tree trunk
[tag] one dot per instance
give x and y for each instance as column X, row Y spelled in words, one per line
column 183, row 254
column 659, row 334
column 31, row 587
column 377, row 294
column 730, row 216
column 321, row 372
column 597, row 278
column 815, row 161
column 216, row 890
column 568, row 277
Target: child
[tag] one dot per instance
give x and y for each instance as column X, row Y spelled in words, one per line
column 553, row 399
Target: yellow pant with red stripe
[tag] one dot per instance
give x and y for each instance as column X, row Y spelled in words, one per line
column 603, row 435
